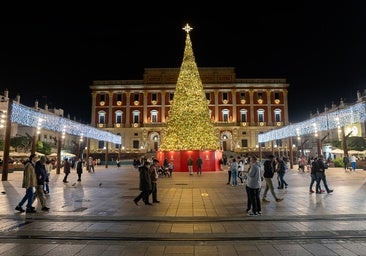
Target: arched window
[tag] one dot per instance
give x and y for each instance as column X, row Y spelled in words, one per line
column 260, row 113
column 101, row 117
column 225, row 115
column 243, row 115
column 277, row 115
column 136, row 116
column 154, row 116
column 119, row 114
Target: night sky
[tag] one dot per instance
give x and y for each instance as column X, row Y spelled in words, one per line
column 318, row 46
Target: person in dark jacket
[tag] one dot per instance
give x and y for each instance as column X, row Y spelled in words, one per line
column 79, row 168
column 144, row 185
column 320, row 168
column 41, row 174
column 269, row 170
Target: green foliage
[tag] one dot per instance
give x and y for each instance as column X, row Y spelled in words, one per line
column 20, row 141
column 44, row 147
column 338, row 162
column 353, row 143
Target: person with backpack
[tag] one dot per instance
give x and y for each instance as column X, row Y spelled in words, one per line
column 269, row 170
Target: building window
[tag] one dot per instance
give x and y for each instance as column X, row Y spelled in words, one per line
column 244, row 133
column 224, row 96
column 101, row 97
column 277, row 95
column 171, row 96
column 136, row 144
column 242, row 96
column 260, row 96
column 208, row 96
column 277, row 114
column 154, row 97
column 260, row 115
column 136, row 116
column 225, row 115
column 100, row 144
column 101, row 117
column 119, row 97
column 243, row 115
column 136, row 97
column 244, row 143
column 154, row 116
column 119, row 116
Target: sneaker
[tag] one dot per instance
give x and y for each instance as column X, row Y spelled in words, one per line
column 156, row 201
column 279, row 199
column 311, row 191
column 265, row 200
column 259, row 213
column 44, row 208
column 252, row 214
column 330, row 191
column 31, row 210
column 19, row 208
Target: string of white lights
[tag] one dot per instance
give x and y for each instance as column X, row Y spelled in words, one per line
column 33, row 118
column 325, row 121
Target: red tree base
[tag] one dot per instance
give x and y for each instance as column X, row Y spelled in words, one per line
column 210, row 159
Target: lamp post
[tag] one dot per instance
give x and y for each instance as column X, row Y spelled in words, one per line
column 7, row 140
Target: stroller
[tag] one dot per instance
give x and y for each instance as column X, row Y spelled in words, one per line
column 163, row 172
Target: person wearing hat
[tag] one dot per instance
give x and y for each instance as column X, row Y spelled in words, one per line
column 41, row 173
column 154, row 178
column 145, row 184
column 29, row 182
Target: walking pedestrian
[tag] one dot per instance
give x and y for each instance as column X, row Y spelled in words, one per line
column 269, row 170
column 144, row 184
column 67, row 168
column 29, row 182
column 199, row 165
column 190, row 165
column 281, row 171
column 79, row 169
column 49, row 166
column 320, row 168
column 234, row 172
column 41, row 174
column 154, row 179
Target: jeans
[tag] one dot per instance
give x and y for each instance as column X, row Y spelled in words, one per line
column 234, row 176
column 320, row 176
column 154, row 191
column 46, row 185
column 282, row 180
column 255, row 200
column 29, row 193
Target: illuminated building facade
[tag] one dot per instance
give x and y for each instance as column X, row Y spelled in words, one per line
column 138, row 109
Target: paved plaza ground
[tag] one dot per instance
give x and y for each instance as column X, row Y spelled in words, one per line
column 197, row 215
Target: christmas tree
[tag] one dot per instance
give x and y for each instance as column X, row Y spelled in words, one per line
column 189, row 125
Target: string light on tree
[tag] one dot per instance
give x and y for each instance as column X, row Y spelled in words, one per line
column 189, row 125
